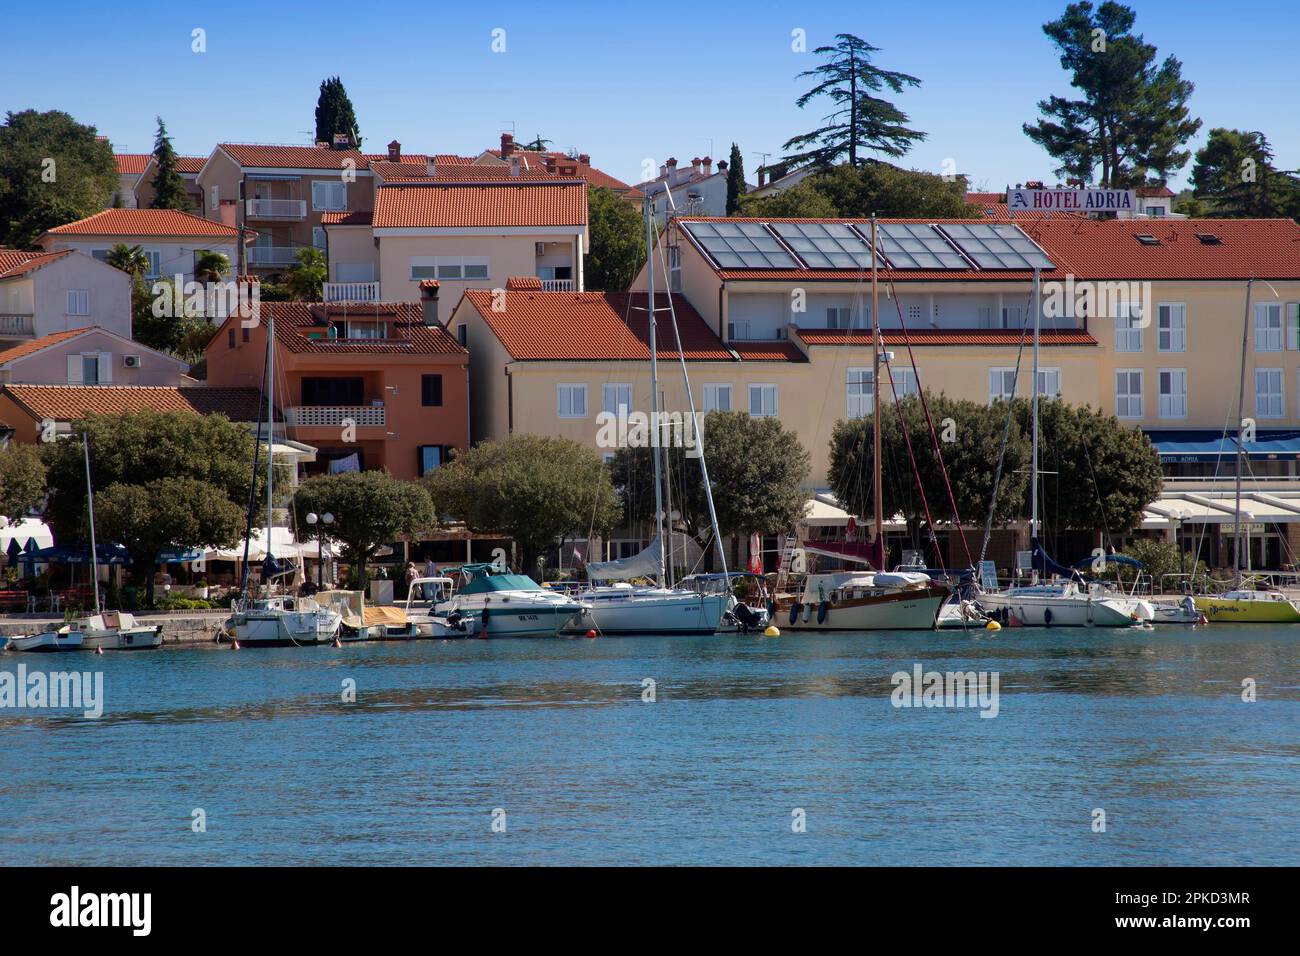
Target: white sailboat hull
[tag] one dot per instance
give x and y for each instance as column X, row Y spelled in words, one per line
column 1079, row 610
column 649, row 611
column 284, row 629
column 905, row 610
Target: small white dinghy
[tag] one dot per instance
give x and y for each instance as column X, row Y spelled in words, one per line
column 61, row 640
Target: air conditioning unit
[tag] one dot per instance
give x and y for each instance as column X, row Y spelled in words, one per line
column 131, row 361
column 540, row 247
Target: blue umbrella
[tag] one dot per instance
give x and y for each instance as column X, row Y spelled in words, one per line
column 13, row 551
column 29, row 556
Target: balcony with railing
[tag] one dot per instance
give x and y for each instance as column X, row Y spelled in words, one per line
column 351, row 291
column 276, row 208
column 558, row 285
column 15, row 324
column 335, row 416
column 272, row 255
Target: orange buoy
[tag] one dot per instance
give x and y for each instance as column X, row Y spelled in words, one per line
column 591, row 633
column 234, row 645
column 99, row 650
column 337, row 642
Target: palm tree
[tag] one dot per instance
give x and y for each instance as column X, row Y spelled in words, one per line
column 130, row 259
column 211, row 266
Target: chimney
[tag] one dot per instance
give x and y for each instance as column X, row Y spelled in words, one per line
column 322, row 144
column 762, row 176
column 695, row 166
column 394, row 152
column 507, row 144
column 431, row 166
column 584, row 159
column 226, row 212
column 722, row 165
column 549, row 163
column 707, row 163
column 514, row 165
column 429, row 301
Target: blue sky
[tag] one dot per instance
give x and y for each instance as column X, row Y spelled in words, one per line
column 622, row 82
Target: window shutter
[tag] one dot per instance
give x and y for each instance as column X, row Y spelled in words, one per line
column 105, row 368
column 1293, row 325
column 74, row 369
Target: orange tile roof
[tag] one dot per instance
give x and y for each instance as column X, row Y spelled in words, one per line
column 768, row 351
column 15, row 257
column 294, row 319
column 37, row 345
column 435, row 205
column 35, row 262
column 359, row 217
column 592, row 326
column 483, row 173
column 930, row 336
column 451, row 159
column 68, row 402
column 594, row 177
column 131, row 164
column 403, row 170
column 293, row 157
column 414, row 159
column 145, row 222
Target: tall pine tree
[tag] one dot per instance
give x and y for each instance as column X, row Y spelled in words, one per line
column 1132, row 121
column 863, row 122
column 1235, row 176
column 168, row 187
column 735, row 180
column 334, row 113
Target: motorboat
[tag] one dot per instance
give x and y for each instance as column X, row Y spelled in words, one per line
column 1063, row 603
column 1249, row 607
column 510, row 605
column 62, row 639
column 1185, row 612
column 961, row 614
column 425, row 620
column 751, row 614
column 864, row 601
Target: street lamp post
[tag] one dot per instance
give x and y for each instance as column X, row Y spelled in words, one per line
column 320, row 523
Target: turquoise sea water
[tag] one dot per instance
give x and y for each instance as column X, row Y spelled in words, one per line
column 744, row 731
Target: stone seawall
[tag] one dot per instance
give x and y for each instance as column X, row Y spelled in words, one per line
column 179, row 627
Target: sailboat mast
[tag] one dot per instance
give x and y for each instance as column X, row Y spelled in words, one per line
column 878, row 505
column 270, row 421
column 90, row 505
column 1033, row 467
column 1241, row 448
column 654, row 384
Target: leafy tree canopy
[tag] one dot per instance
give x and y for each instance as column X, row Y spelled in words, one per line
column 53, row 170
column 617, row 236
column 536, row 489
column 857, row 192
column 169, row 188
column 334, row 113
column 370, row 509
column 1234, row 177
column 861, row 122
column 307, row 276
column 1131, row 121
column 22, row 480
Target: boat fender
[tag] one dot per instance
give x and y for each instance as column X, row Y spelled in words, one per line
column 794, row 611
column 337, row 642
column 234, row 645
column 772, row 631
column 1047, row 616
column 771, row 609
column 993, row 626
column 99, row 650
column 822, row 610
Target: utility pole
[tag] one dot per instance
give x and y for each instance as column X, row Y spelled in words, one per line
column 242, row 254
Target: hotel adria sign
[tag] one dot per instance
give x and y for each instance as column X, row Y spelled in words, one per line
column 1072, row 200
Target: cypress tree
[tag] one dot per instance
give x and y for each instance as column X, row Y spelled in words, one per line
column 735, row 180
column 168, row 187
column 334, row 113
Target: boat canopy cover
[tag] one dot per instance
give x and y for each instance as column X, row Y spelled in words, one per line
column 1043, row 562
column 901, row 579
column 645, row 564
column 482, row 581
column 1086, row 563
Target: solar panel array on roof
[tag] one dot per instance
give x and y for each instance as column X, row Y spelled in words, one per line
column 997, row 245
column 916, row 246
column 825, row 245
column 740, row 245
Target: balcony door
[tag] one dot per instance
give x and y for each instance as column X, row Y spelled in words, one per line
column 333, row 391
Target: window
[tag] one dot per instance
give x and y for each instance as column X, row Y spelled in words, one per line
column 462, row 336
column 100, row 254
column 838, row 317
column 617, row 399
column 78, row 302
column 431, row 391
column 1013, row 316
column 318, row 237
column 860, row 396
column 155, row 263
column 328, row 196
column 1171, row 327
column 431, row 457
column 1268, row 327
column 449, row 268
column 1293, row 325
column 1268, row 393
column 762, row 400
column 1128, row 393
column 738, row 330
column 1002, row 384
column 572, row 401
column 717, row 398
column 365, row 330
column 1128, row 328
column 904, row 382
column 1172, row 389
column 1049, row 383
column 90, row 369
column 333, row 391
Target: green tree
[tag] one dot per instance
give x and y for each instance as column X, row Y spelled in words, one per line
column 1132, row 119
column 862, row 121
column 22, row 480
column 167, row 514
column 617, row 241
column 129, row 259
column 53, row 170
column 757, row 469
column 857, row 192
column 168, row 187
column 211, row 266
column 538, row 145
column 306, row 277
column 1235, row 177
column 370, row 509
column 536, row 489
column 735, row 180
column 334, row 113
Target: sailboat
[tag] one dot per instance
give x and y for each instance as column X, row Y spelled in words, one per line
column 106, row 630
column 866, row 600
column 275, row 620
column 1066, row 601
column 1241, row 604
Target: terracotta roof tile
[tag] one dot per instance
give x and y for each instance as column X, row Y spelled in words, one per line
column 360, row 217
column 294, row 319
column 131, row 164
column 592, row 326
column 479, row 173
column 15, row 257
column 501, row 204
column 35, row 262
column 293, row 157
column 451, row 159
column 145, row 222
column 68, row 402
column 44, row 342
column 923, row 337
column 768, row 351
column 406, row 169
